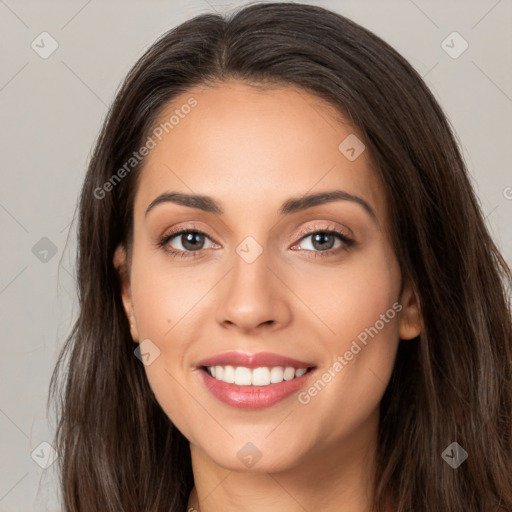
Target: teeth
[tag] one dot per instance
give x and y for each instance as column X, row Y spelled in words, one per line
column 229, row 374
column 300, row 372
column 263, row 376
column 242, row 376
column 260, row 377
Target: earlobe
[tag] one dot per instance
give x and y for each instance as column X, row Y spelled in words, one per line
column 410, row 315
column 120, row 262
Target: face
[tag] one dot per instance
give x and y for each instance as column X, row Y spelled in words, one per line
column 259, row 279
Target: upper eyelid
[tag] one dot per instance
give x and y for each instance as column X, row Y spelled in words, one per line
column 316, row 227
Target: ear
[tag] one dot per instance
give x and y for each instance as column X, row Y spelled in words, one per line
column 121, row 265
column 410, row 315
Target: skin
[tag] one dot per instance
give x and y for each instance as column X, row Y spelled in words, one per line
column 252, row 149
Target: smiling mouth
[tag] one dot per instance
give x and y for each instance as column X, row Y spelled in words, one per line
column 254, row 388
column 261, row 376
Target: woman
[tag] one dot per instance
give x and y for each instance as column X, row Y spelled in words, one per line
column 289, row 298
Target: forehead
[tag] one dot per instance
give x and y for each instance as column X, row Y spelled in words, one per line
column 251, row 147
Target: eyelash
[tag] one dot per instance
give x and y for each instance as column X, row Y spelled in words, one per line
column 177, row 253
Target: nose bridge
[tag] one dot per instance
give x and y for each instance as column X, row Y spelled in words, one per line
column 251, row 266
column 251, row 296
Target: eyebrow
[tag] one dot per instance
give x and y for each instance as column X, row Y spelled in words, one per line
column 292, row 205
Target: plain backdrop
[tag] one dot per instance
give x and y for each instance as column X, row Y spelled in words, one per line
column 52, row 109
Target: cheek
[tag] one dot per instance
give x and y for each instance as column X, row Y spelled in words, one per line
column 362, row 311
column 350, row 298
column 162, row 298
column 359, row 309
column 158, row 311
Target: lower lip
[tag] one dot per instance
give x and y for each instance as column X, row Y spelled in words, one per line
column 253, row 397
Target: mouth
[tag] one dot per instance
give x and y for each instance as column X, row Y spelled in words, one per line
column 254, row 381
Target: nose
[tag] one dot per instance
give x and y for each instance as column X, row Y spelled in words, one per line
column 253, row 297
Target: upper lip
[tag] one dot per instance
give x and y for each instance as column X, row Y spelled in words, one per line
column 253, row 360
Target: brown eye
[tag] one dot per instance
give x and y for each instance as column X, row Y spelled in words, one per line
column 322, row 241
column 190, row 240
column 187, row 242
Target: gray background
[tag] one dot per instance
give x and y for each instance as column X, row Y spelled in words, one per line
column 52, row 110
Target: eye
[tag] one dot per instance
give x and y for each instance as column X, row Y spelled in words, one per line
column 323, row 241
column 189, row 242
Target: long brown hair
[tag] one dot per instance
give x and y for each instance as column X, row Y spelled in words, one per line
column 118, row 451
